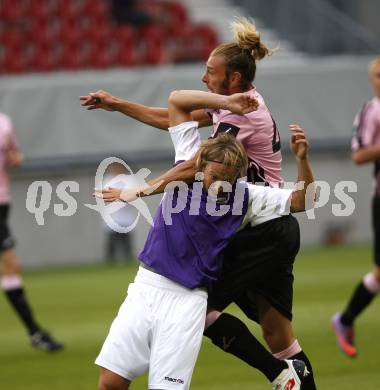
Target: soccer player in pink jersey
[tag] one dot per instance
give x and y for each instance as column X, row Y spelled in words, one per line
column 264, row 288
column 365, row 149
column 10, row 271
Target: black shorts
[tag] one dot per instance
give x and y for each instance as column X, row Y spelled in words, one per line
column 376, row 228
column 259, row 261
column 6, row 240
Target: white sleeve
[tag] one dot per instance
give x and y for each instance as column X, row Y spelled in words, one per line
column 186, row 140
column 266, row 203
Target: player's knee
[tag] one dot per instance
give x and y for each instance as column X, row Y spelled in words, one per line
column 269, row 334
column 376, row 273
column 277, row 339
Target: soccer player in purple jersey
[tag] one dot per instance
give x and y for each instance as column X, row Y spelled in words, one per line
column 160, row 325
column 267, row 292
column 10, row 269
column 365, row 149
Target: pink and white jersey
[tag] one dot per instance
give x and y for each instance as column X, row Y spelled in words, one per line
column 7, row 143
column 258, row 133
column 367, row 133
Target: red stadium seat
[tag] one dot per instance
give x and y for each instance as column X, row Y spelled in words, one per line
column 43, row 34
column 97, row 9
column 73, row 34
column 128, row 54
column 153, row 44
column 100, row 55
column 13, row 38
column 124, row 34
column 11, row 11
column 98, row 32
column 69, row 9
column 203, row 39
column 15, row 60
column 127, row 51
column 38, row 11
column 72, row 56
column 173, row 17
column 43, row 59
column 70, row 32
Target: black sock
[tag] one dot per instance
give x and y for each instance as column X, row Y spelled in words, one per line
column 19, row 302
column 359, row 301
column 308, row 383
column 233, row 336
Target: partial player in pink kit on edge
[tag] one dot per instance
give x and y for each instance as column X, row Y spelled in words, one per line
column 365, row 149
column 10, row 271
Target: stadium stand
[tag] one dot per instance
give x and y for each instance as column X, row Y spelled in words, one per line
column 43, row 35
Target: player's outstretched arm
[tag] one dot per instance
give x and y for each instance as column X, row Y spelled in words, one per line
column 182, row 172
column 153, row 116
column 182, row 103
column 302, row 198
column 189, row 100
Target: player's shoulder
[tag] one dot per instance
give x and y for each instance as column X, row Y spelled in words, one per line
column 262, row 110
column 376, row 104
column 371, row 110
column 5, row 122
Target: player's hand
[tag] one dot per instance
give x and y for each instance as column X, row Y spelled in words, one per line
column 298, row 142
column 99, row 99
column 116, row 194
column 241, row 103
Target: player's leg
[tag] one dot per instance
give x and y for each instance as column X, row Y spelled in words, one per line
column 108, row 380
column 365, row 292
column 362, row 297
column 126, row 351
column 231, row 335
column 176, row 336
column 11, row 284
column 279, row 336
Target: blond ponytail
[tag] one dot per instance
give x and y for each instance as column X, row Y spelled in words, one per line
column 247, row 38
column 242, row 54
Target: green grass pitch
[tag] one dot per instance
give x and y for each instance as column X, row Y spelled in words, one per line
column 78, row 304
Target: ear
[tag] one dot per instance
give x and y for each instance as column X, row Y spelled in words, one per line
column 235, row 79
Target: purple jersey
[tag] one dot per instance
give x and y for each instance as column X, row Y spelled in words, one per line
column 367, row 133
column 186, row 246
column 189, row 249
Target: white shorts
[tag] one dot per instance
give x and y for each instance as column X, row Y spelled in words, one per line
column 159, row 328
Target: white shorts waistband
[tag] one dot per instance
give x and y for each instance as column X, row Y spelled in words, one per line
column 148, row 277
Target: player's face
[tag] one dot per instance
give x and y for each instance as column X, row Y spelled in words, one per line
column 215, row 172
column 215, row 76
column 375, row 79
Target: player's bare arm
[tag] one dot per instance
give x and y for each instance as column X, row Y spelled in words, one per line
column 184, row 172
column 303, row 197
column 366, row 155
column 189, row 100
column 14, row 159
column 153, row 116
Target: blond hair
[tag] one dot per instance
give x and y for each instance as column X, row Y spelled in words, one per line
column 224, row 149
column 242, row 54
column 373, row 64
